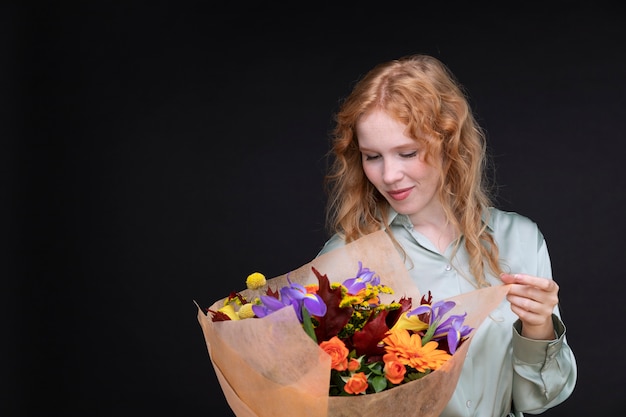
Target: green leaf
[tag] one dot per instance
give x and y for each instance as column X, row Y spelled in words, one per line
column 307, row 324
column 379, row 383
column 376, row 368
column 429, row 333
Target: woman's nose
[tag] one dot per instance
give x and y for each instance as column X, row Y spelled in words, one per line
column 392, row 172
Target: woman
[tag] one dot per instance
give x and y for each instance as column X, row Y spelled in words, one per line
column 409, row 157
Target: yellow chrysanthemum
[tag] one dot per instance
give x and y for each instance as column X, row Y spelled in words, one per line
column 245, row 312
column 409, row 350
column 255, row 281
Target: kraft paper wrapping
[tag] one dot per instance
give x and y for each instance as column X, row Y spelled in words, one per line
column 269, row 367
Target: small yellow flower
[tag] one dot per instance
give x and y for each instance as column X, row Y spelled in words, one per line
column 349, row 300
column 255, row 281
column 386, row 290
column 245, row 312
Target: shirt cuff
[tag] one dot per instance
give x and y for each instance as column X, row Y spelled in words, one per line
column 537, row 351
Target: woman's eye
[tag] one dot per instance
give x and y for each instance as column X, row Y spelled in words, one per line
column 409, row 155
column 371, row 157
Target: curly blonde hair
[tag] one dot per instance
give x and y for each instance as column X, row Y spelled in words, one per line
column 420, row 92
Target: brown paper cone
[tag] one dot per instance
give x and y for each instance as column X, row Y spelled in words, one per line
column 269, row 367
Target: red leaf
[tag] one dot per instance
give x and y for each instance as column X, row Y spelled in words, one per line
column 336, row 317
column 366, row 341
column 394, row 315
column 218, row 316
column 427, row 299
column 270, row 293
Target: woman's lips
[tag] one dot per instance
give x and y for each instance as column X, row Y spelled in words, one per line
column 399, row 195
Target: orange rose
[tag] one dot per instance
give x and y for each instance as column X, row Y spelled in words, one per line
column 353, row 365
column 338, row 353
column 357, row 384
column 394, row 369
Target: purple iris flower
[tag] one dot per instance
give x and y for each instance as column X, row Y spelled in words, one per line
column 363, row 277
column 437, row 310
column 294, row 295
column 268, row 306
column 453, row 322
column 452, row 328
column 456, row 332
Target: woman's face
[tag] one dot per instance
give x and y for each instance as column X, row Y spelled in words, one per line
column 395, row 164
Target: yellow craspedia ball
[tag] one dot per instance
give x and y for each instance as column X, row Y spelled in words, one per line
column 245, row 312
column 255, row 281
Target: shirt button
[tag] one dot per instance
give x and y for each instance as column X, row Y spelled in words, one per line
column 468, row 403
column 448, row 267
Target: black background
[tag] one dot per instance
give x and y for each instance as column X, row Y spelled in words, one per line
column 156, row 154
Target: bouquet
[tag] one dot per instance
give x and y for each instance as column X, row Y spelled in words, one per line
column 373, row 346
column 342, row 349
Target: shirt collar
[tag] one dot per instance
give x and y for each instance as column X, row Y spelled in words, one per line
column 403, row 220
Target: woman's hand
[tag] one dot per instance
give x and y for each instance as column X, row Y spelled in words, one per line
column 533, row 300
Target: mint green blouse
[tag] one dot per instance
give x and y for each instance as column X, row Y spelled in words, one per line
column 503, row 371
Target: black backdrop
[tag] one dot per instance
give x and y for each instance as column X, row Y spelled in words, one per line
column 155, row 154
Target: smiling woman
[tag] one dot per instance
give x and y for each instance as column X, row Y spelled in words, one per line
column 408, row 157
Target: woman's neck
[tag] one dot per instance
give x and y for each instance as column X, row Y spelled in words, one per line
column 435, row 228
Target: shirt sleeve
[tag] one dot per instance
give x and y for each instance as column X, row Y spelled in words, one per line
column 544, row 371
column 334, row 242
